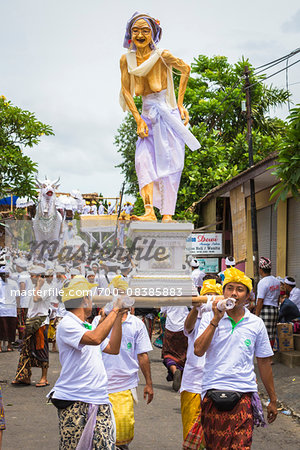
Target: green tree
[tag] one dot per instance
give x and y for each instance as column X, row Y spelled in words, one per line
column 19, row 129
column 287, row 168
column 213, row 97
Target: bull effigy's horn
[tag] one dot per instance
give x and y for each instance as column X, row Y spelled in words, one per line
column 38, row 182
column 55, row 182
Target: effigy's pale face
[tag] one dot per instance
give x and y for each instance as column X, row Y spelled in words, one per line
column 141, row 34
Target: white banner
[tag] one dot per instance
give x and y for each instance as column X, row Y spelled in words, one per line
column 205, row 244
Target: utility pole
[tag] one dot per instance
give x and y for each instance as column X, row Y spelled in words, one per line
column 252, row 185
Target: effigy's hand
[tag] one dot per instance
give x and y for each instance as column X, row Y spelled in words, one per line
column 142, row 129
column 184, row 114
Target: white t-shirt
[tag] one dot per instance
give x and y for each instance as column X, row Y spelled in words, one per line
column 295, row 296
column 229, row 358
column 122, row 369
column 24, row 277
column 61, row 310
column 194, row 365
column 8, row 305
column 83, row 376
column 41, row 307
column 197, row 276
column 176, row 316
column 268, row 289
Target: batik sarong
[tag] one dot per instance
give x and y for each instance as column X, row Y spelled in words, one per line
column 122, row 404
column 34, row 353
column 72, row 421
column 2, row 416
column 22, row 315
column 225, row 430
column 269, row 315
column 174, row 350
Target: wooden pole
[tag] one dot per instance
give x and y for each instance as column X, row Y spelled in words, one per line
column 156, row 302
column 252, row 184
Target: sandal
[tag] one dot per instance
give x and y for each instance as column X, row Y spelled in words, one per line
column 44, row 384
column 20, row 383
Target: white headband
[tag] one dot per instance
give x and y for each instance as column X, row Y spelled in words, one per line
column 290, row 283
column 194, row 263
column 229, row 263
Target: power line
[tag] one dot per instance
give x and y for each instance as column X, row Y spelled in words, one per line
column 273, row 74
column 287, row 81
column 279, row 60
column 270, row 64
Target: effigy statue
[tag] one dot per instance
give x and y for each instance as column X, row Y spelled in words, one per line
column 159, row 159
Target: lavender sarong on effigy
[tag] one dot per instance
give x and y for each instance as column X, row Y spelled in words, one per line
column 159, row 157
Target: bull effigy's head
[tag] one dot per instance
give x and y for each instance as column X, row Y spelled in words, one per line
column 47, row 194
column 47, row 187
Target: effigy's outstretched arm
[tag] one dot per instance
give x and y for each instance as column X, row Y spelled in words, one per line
column 185, row 70
column 142, row 129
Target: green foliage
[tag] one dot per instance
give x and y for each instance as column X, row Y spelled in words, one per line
column 19, row 129
column 213, row 98
column 287, row 168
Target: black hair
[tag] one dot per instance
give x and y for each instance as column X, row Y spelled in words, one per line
column 268, row 271
column 73, row 303
column 291, row 279
column 213, row 277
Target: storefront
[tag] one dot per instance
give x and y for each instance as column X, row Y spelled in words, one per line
column 293, row 239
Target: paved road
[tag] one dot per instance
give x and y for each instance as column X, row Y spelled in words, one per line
column 32, row 424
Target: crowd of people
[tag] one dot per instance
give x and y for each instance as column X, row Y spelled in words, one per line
column 208, row 350
column 90, row 208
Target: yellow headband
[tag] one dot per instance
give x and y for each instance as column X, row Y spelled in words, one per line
column 234, row 275
column 78, row 287
column 211, row 286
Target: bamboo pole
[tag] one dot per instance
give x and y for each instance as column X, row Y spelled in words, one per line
column 156, row 302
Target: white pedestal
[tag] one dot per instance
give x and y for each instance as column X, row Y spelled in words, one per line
column 160, row 258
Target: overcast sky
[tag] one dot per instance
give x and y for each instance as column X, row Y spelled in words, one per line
column 60, row 60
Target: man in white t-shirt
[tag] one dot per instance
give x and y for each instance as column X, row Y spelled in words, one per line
column 23, row 280
column 197, row 275
column 81, row 391
column 101, row 209
column 191, row 383
column 268, row 293
column 292, row 291
column 230, row 340
column 35, row 350
column 122, row 372
column 174, row 343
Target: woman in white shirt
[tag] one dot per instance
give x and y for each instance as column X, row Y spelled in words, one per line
column 174, row 343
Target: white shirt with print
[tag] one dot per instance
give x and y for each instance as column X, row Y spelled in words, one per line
column 229, row 358
column 268, row 288
column 122, row 369
column 83, row 376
